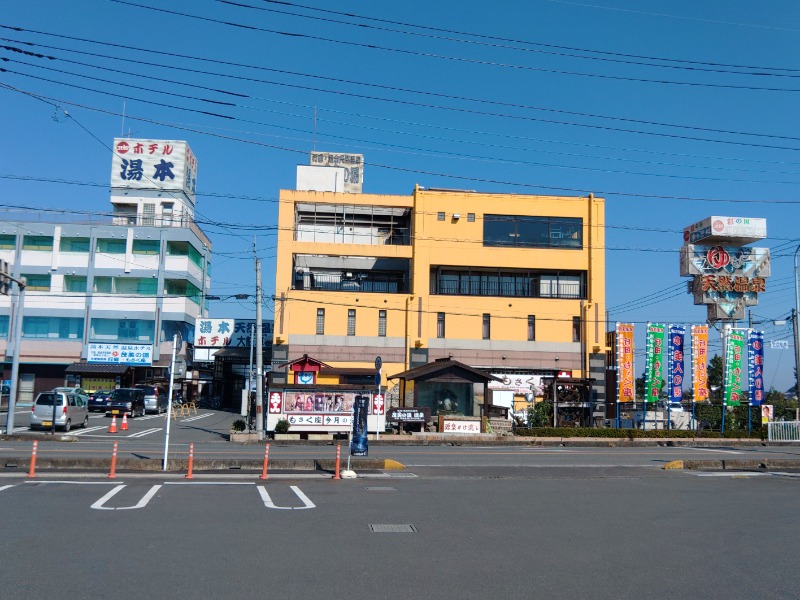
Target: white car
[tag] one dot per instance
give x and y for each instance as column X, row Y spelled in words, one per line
column 62, row 409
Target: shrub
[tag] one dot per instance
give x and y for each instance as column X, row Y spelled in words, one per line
column 238, row 425
column 282, row 426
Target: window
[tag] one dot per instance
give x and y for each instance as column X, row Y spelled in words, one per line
column 576, row 329
column 351, row 321
column 37, row 283
column 440, row 331
column 440, row 216
column 37, row 242
column 148, row 214
column 531, row 328
column 470, row 217
column 381, row 323
column 4, row 321
column 111, row 246
column 75, row 283
column 128, row 330
column 185, row 249
column 320, row 321
column 181, row 287
column 74, row 244
column 131, row 330
column 8, row 242
column 146, row 246
column 102, row 285
column 532, row 232
column 487, row 326
column 55, row 328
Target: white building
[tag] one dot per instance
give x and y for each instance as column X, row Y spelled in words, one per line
column 134, row 278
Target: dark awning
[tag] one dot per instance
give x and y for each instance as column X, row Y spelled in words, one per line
column 96, row 369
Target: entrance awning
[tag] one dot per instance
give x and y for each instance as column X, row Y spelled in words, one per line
column 82, row 368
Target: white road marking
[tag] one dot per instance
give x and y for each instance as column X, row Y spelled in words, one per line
column 99, row 505
column 742, row 474
column 715, row 450
column 75, row 482
column 187, row 420
column 270, row 504
column 88, row 430
column 5, row 487
column 139, row 434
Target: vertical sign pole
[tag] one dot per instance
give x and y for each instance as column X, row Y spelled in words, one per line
column 169, row 404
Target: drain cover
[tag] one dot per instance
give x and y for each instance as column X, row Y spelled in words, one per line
column 382, row 528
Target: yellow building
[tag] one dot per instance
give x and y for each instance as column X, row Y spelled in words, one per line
column 506, row 283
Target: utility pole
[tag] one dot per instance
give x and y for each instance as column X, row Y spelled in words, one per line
column 5, row 282
column 796, row 332
column 259, row 357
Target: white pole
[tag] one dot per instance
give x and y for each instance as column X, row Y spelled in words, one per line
column 12, row 396
column 259, row 358
column 169, row 404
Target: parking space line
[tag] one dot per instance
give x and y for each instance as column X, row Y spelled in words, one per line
column 139, row 434
column 88, row 430
column 196, row 417
column 5, row 487
column 100, row 504
column 270, row 504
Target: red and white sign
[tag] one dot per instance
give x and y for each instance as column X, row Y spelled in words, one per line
column 154, row 164
column 275, row 402
column 377, row 404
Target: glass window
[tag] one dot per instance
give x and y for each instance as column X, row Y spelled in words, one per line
column 531, row 328
column 576, row 329
column 440, row 332
column 111, row 246
column 59, row 328
column 351, row 321
column 75, row 283
column 440, row 216
column 8, row 242
column 532, row 232
column 181, row 287
column 136, row 286
column 75, row 244
column 470, row 217
column 37, row 283
column 445, row 397
column 37, row 242
column 4, row 319
column 129, row 330
column 102, row 285
column 320, row 321
column 146, row 246
column 381, row 323
column 487, row 326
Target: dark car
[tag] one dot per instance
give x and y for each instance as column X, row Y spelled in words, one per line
column 99, row 401
column 126, row 401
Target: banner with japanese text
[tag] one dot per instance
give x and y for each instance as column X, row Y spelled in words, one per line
column 625, row 364
column 733, row 368
column 755, row 363
column 700, row 362
column 654, row 367
column 677, row 334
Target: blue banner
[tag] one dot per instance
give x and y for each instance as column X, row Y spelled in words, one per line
column 755, row 363
column 675, row 364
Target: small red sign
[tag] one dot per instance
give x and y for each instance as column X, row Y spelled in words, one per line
column 123, row 147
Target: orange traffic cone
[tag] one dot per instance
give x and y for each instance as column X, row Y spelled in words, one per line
column 113, row 428
column 124, row 426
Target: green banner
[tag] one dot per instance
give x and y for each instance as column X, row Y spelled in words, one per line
column 656, row 361
column 734, row 374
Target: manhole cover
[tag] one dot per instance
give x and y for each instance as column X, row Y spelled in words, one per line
column 392, row 528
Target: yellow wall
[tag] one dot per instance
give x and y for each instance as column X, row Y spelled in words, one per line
column 452, row 243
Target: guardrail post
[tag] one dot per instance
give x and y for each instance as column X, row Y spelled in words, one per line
column 113, row 473
column 32, row 472
column 266, row 462
column 191, row 460
column 338, row 461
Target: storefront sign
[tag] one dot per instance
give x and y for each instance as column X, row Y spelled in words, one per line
column 353, row 165
column 450, row 425
column 409, row 415
column 122, row 354
column 154, row 165
column 213, row 333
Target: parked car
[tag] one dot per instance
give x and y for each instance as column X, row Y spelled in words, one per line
column 155, row 398
column 126, row 401
column 99, row 401
column 65, row 409
column 75, row 390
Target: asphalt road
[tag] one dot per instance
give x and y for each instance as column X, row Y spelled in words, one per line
column 532, row 533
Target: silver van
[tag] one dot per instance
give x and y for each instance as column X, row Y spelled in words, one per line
column 65, row 409
column 155, row 398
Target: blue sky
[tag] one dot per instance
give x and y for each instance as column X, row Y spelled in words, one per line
column 671, row 111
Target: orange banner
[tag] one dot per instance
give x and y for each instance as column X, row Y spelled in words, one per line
column 700, row 362
column 626, row 386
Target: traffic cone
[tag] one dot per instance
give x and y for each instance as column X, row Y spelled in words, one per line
column 124, row 426
column 113, row 428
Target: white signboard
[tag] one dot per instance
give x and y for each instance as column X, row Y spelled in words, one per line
column 461, row 425
column 213, row 333
column 154, row 165
column 518, row 383
column 332, row 422
column 122, row 354
column 736, row 231
column 353, row 165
